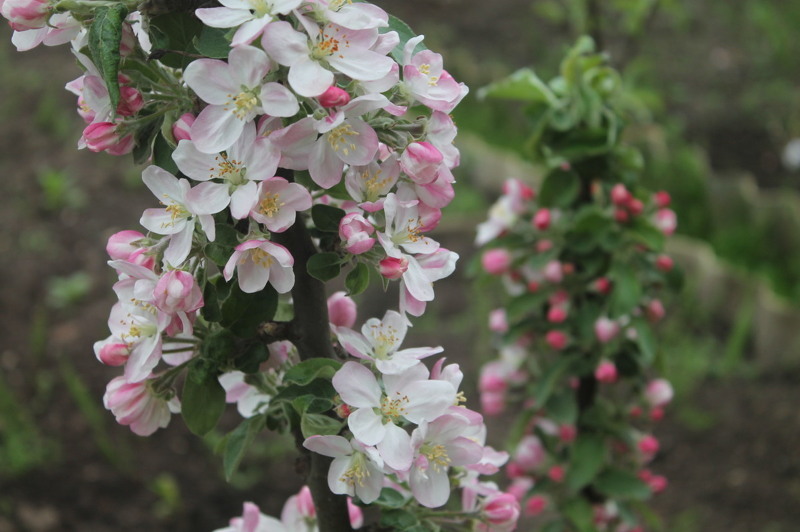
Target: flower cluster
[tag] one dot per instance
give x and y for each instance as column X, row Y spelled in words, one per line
column 310, row 117
column 564, row 323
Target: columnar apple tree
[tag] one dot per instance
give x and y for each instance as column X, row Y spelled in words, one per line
column 286, row 142
column 581, row 259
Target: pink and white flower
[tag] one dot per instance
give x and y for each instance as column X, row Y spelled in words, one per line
column 427, row 81
column 236, row 93
column 356, row 469
column 183, row 207
column 277, row 203
column 135, row 404
column 355, row 231
column 346, row 50
column 380, row 341
column 258, row 262
column 249, row 16
column 376, row 416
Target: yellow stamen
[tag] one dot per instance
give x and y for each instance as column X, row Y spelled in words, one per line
column 339, row 139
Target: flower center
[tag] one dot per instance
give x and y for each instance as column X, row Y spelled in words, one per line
column 259, row 257
column 373, row 184
column 336, row 5
column 242, row 104
column 270, row 204
column 339, row 139
column 176, row 212
column 260, row 8
column 230, row 170
column 436, row 455
column 357, row 472
column 393, row 409
column 384, row 340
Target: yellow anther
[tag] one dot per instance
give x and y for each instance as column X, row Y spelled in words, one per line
column 270, row 204
column 339, row 139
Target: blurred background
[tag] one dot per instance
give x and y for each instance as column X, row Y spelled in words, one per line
column 715, row 89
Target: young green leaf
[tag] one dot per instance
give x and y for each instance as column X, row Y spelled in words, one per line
column 314, row 368
column 202, row 401
column 357, row 280
column 105, row 35
column 324, row 266
column 326, row 218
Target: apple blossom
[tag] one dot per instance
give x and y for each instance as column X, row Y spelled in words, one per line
column 134, row 404
column 258, row 262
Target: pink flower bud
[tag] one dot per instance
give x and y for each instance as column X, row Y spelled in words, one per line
column 25, row 15
column 304, row 502
column 559, row 297
column 111, row 353
column 605, row 329
column 393, row 268
column 355, row 514
column 535, row 505
column 517, row 187
column 655, row 310
column 556, row 474
column 130, row 101
column 121, row 245
column 103, row 136
column 567, row 433
column 648, row 446
column 341, row 310
column 635, row 207
column 493, row 403
column 635, row 412
column 128, row 41
column 664, row 263
column 177, row 291
column 659, row 392
column 662, row 199
column 501, row 509
column 657, row 414
column 355, row 231
column 620, row 195
column 541, row 220
column 492, row 378
column 519, row 487
column 552, row 272
column 421, row 161
column 621, row 216
column 530, row 453
column 667, row 221
column 567, row 268
column 603, row 285
column 497, row 321
column 556, row 314
column 556, row 339
column 182, row 128
column 533, row 286
column 657, row 483
column 496, row 261
column 514, row 470
column 334, row 97
column 606, row 372
column 343, row 411
column 544, row 245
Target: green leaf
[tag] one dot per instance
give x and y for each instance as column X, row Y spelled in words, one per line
column 324, row 266
column 560, row 188
column 626, row 291
column 211, row 311
column 313, row 424
column 562, row 407
column 221, row 249
column 237, row 442
column 174, row 32
column 105, row 35
column 311, row 404
column 202, row 401
column 162, row 155
column 143, row 140
column 314, row 368
column 357, row 280
column 320, row 388
column 580, row 514
column 326, row 218
column 523, row 85
column 212, row 42
column 586, row 461
column 251, row 358
column 242, row 313
column 218, row 347
column 646, row 340
column 406, row 34
column 646, row 233
column 398, row 519
column 547, row 382
column 525, row 304
column 622, row 485
column 390, row 498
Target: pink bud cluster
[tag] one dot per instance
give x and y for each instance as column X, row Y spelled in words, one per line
column 557, row 325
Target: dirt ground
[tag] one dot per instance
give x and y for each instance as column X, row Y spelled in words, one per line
column 736, row 471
